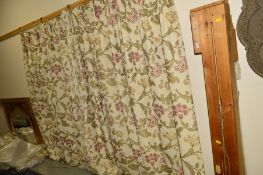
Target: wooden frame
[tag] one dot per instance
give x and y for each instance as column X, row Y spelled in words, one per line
column 24, row 104
column 214, row 37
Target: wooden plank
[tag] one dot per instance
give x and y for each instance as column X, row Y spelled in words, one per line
column 203, row 39
column 214, row 34
column 207, row 6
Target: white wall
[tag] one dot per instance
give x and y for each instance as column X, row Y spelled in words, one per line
column 250, row 87
column 251, row 109
column 14, row 13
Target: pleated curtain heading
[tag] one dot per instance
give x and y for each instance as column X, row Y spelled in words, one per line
column 110, row 89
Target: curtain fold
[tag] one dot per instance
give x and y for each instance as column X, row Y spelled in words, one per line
column 110, row 89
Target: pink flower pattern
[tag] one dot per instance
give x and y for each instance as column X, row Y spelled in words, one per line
column 159, row 110
column 180, row 110
column 112, row 20
column 133, row 121
column 56, row 69
column 84, row 17
column 141, row 2
column 98, row 146
column 152, row 158
column 114, row 4
column 134, row 56
column 91, row 121
column 40, row 108
column 40, row 83
column 56, row 39
column 136, row 153
column 181, row 171
column 182, row 66
column 116, row 57
column 69, row 143
column 133, row 17
column 153, row 121
column 119, row 106
column 88, row 159
column 156, row 70
column 98, row 11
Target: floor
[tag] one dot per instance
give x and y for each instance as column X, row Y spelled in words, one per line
column 51, row 167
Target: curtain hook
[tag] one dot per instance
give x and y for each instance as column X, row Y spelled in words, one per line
column 68, row 7
column 20, row 30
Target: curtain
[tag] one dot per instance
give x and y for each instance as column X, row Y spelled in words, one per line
column 110, row 89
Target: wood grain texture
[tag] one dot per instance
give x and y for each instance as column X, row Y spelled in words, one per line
column 9, row 105
column 214, row 37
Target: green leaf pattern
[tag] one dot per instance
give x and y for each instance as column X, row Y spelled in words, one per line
column 110, row 89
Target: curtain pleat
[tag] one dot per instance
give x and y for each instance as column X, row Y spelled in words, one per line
column 110, row 89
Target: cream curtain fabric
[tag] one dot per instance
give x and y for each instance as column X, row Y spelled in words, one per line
column 110, row 89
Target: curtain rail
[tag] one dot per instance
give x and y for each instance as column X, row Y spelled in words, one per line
column 42, row 19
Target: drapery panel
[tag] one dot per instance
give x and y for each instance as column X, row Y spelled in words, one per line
column 110, row 89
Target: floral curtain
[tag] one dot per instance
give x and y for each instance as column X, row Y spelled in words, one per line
column 110, row 89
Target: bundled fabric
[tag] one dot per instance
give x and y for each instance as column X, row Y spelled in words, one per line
column 20, row 154
column 26, row 133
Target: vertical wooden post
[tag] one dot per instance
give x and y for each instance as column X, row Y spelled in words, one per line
column 214, row 37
